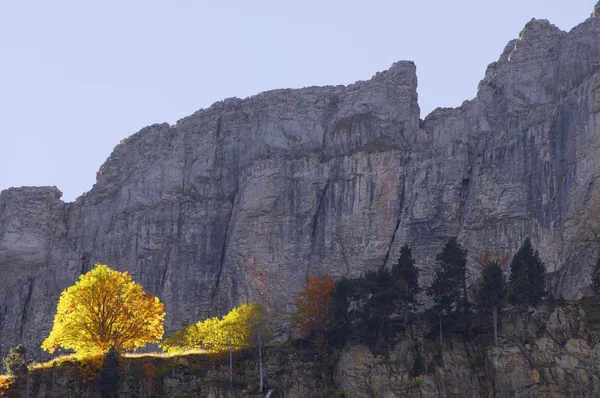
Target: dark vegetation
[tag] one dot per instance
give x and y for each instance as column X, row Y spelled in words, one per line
column 376, row 308
column 15, row 362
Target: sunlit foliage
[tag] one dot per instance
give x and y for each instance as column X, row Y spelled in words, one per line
column 236, row 330
column 105, row 309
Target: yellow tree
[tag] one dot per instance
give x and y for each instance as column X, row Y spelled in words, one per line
column 105, row 309
column 239, row 328
column 235, row 331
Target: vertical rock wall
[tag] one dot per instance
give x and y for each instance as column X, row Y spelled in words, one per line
column 243, row 200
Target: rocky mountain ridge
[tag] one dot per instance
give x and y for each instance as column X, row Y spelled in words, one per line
column 243, row 200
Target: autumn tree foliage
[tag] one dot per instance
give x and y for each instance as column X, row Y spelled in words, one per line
column 236, row 330
column 244, row 326
column 105, row 309
column 314, row 309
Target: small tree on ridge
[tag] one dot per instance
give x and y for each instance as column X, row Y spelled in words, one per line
column 492, row 291
column 105, row 309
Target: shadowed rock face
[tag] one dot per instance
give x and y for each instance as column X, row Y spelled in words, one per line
column 241, row 201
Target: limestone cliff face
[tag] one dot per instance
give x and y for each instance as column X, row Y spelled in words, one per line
column 549, row 353
column 242, row 200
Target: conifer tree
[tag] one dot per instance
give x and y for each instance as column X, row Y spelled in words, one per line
column 492, row 291
column 380, row 297
column 362, row 308
column 406, row 272
column 449, row 287
column 527, row 276
column 15, row 363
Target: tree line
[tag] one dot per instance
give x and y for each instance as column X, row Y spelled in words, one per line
column 105, row 311
column 367, row 308
column 105, row 314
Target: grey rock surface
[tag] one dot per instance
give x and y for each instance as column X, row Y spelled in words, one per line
column 243, row 200
column 560, row 359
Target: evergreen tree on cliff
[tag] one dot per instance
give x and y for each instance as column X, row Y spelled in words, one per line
column 15, row 363
column 381, row 297
column 527, row 276
column 407, row 273
column 492, row 291
column 449, row 287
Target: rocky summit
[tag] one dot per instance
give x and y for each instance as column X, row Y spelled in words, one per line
column 243, row 200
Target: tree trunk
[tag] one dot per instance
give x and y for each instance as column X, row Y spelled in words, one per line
column 380, row 334
column 406, row 315
column 230, row 366
column 441, row 341
column 466, row 309
column 495, row 310
column 260, row 365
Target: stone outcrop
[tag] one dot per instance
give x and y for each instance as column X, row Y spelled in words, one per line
column 243, row 200
column 554, row 354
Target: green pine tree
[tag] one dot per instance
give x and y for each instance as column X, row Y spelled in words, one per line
column 406, row 272
column 492, row 291
column 15, row 363
column 362, row 309
column 527, row 276
column 380, row 299
column 449, row 287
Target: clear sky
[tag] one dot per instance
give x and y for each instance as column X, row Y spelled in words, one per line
column 76, row 76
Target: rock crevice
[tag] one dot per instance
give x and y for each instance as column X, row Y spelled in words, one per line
column 240, row 201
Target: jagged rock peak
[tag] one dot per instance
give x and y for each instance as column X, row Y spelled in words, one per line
column 538, row 27
column 596, row 12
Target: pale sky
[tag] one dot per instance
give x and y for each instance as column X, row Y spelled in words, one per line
column 76, row 77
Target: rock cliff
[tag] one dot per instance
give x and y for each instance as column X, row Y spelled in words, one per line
column 551, row 352
column 243, row 200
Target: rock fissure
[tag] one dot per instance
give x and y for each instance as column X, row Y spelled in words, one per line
column 242, row 174
column 229, row 223
column 313, row 234
column 397, row 227
column 25, row 311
